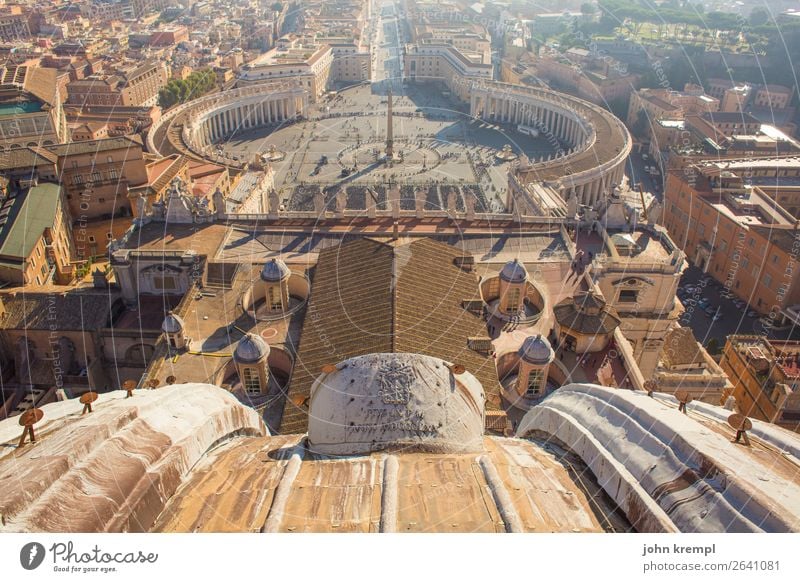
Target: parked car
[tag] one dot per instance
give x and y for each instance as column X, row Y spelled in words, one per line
column 717, row 316
column 752, row 313
column 739, row 303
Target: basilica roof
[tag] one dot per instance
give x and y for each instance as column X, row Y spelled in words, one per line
column 353, row 311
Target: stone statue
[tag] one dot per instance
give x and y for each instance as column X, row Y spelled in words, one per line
column 572, row 206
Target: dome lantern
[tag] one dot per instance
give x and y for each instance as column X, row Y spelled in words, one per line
column 251, row 358
column 173, row 329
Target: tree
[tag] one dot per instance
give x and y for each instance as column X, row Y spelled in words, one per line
column 588, row 9
column 712, row 346
column 182, row 90
column 759, row 16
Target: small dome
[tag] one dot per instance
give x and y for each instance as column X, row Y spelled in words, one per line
column 274, row 271
column 172, row 324
column 514, row 272
column 251, row 349
column 536, row 350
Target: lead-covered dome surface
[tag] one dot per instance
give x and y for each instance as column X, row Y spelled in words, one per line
column 251, row 349
column 172, row 324
column 274, row 271
column 514, row 272
column 536, row 350
column 383, row 401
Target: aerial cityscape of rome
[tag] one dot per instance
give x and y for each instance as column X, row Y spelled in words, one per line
column 399, row 266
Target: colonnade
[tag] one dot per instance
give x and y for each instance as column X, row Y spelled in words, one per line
column 584, row 166
column 558, row 122
column 220, row 122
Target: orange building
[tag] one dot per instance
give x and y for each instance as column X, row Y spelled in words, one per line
column 738, row 235
column 765, row 376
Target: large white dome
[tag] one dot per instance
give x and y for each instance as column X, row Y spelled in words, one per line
column 382, row 401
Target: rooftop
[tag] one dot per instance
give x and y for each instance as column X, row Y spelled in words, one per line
column 352, row 311
column 24, row 218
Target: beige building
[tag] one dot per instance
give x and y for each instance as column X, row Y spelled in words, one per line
column 36, row 245
column 31, row 112
column 128, row 86
column 685, row 365
column 599, row 80
column 637, row 270
column 97, row 175
column 441, row 62
column 310, row 64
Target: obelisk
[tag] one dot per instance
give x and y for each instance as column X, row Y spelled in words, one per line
column 389, row 144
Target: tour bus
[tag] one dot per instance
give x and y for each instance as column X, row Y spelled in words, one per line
column 527, row 130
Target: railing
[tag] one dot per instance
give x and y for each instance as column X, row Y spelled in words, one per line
column 553, row 221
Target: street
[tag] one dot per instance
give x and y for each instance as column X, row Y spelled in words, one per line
column 733, row 320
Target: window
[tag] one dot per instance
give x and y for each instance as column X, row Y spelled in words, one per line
column 274, row 298
column 77, row 179
column 767, row 280
column 745, row 263
column 751, row 242
column 628, row 296
column 513, row 300
column 109, row 159
column 113, row 174
column 165, row 283
column 534, row 383
column 109, row 236
column 774, row 259
column 91, row 238
column 251, row 381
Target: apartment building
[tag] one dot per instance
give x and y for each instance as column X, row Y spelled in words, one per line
column 31, row 112
column 127, row 86
column 765, row 375
column 736, row 233
column 35, row 236
column 291, row 59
